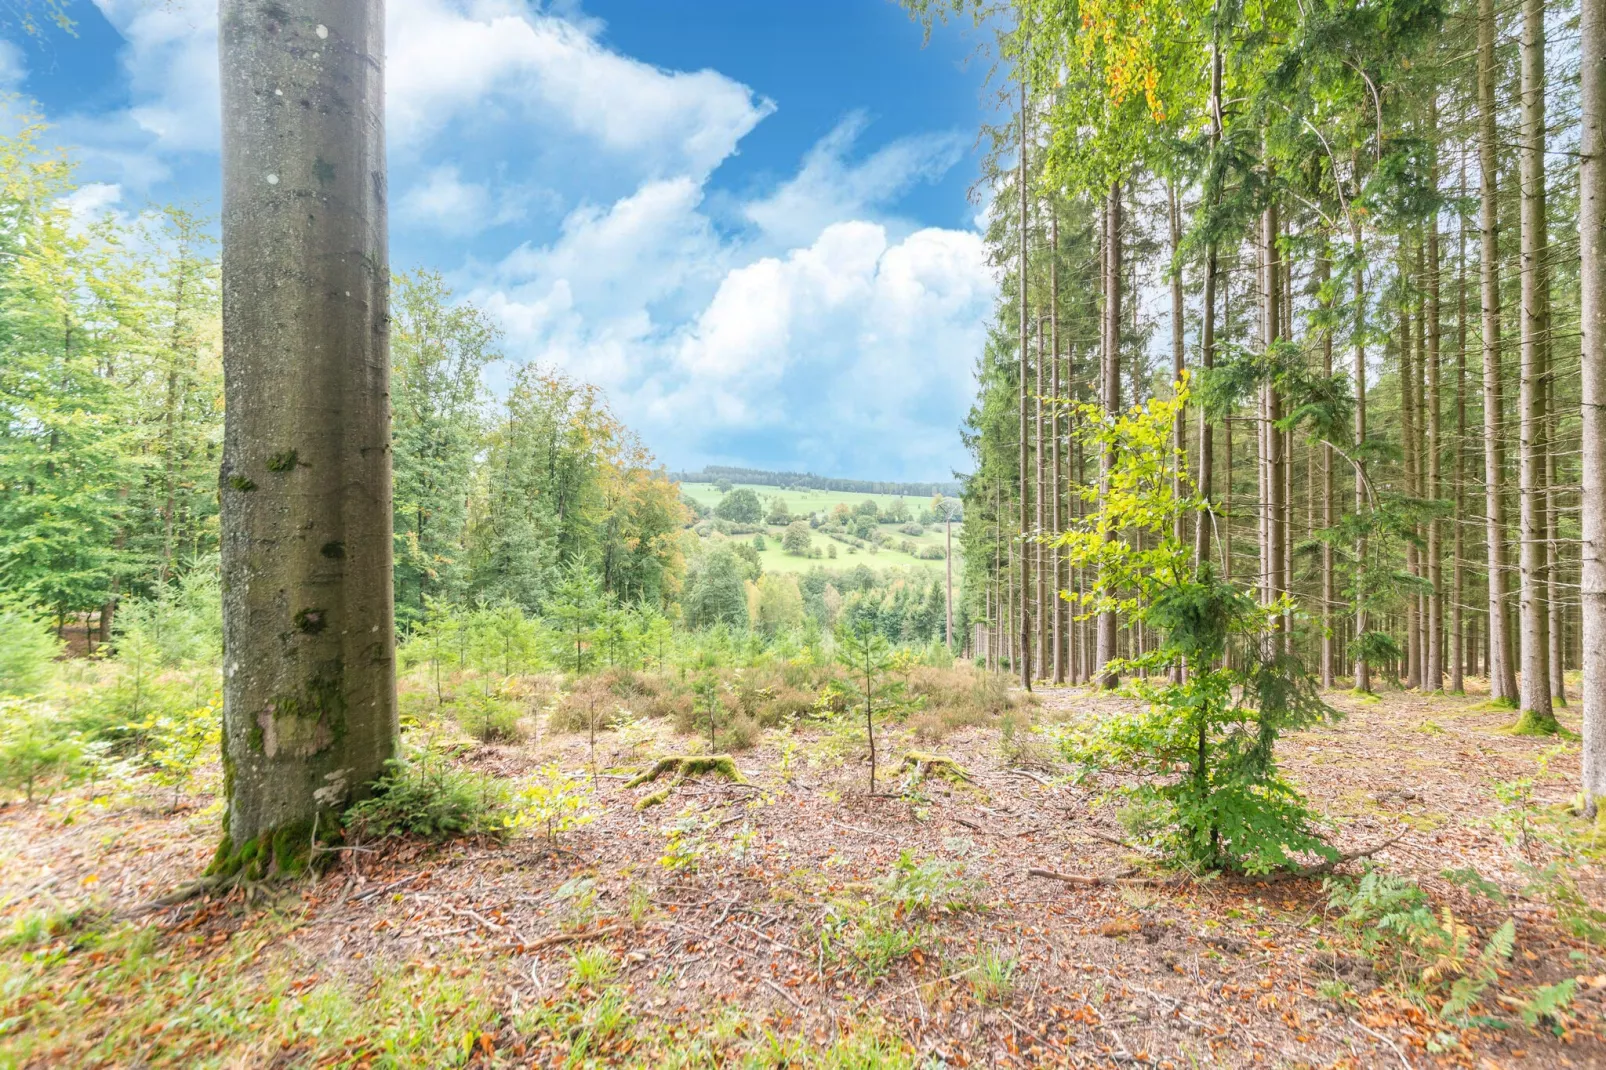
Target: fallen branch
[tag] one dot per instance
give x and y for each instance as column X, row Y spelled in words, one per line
column 566, row 938
column 382, row 889
column 1082, row 881
column 1350, row 856
column 783, row 993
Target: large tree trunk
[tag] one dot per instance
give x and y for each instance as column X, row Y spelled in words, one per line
column 309, row 694
column 1111, row 390
column 1040, row 521
column 1537, row 715
column 1502, row 668
column 1592, row 247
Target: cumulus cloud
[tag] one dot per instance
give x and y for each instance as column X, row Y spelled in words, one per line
column 830, row 186
column 450, row 59
column 811, row 327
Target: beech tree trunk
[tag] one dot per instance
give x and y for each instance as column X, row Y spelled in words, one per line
column 1592, row 244
column 309, row 693
column 1502, row 667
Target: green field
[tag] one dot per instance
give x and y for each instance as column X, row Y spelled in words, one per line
column 803, row 502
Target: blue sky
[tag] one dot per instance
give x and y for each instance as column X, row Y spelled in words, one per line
column 745, row 219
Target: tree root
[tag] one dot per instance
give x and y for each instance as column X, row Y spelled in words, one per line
column 683, row 766
column 1127, row 878
column 184, row 893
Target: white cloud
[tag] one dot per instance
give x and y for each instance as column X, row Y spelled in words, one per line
column 454, row 60
column 172, row 66
column 92, row 201
column 445, row 202
column 13, row 65
column 830, row 188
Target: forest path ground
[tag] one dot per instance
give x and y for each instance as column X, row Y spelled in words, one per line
column 712, row 956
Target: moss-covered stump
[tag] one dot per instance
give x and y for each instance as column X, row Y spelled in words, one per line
column 284, row 852
column 683, row 767
column 918, row 766
column 1535, row 723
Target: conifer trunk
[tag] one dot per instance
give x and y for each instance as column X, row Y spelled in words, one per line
column 1533, row 554
column 1434, row 662
column 1111, row 390
column 1592, row 244
column 309, row 690
column 1502, row 668
column 1024, row 639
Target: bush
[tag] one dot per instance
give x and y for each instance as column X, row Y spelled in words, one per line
column 36, row 749
column 592, row 701
column 27, row 650
column 425, row 795
column 553, row 801
column 181, row 622
column 489, row 718
column 931, row 553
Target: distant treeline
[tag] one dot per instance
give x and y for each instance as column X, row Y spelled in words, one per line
column 713, row 473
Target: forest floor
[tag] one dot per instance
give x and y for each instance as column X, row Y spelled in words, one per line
column 775, row 925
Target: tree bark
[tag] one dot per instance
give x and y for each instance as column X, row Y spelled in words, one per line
column 1057, row 470
column 1363, row 671
column 1458, row 657
column 1537, row 714
column 1413, row 468
column 309, row 691
column 1502, row 667
column 1434, row 663
column 1324, row 269
column 1111, row 389
column 1592, row 246
column 1025, row 638
column 1271, row 438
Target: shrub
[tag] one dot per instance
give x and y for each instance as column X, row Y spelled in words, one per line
column 36, row 749
column 489, row 718
column 27, row 649
column 554, row 801
column 931, row 553
column 738, row 732
column 425, row 795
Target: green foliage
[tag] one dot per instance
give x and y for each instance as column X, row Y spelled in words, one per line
column 924, row 887
column 1229, row 808
column 36, row 750
column 423, row 794
column 553, row 801
column 27, row 649
column 1423, row 950
column 740, row 506
column 868, row 657
column 715, row 591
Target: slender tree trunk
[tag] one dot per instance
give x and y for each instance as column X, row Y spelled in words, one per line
column 1040, row 521
column 1363, row 673
column 1274, row 492
column 1537, row 714
column 1412, row 465
column 1592, row 247
column 1057, row 469
column 1025, row 637
column 309, row 671
column 1111, row 388
column 1458, row 521
column 1207, row 335
column 1502, row 668
column 1435, row 447
column 1324, row 269
column 1553, row 597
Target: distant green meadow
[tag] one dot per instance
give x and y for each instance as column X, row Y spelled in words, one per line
column 800, row 503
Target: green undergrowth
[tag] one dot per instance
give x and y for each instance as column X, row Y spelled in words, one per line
column 169, row 1001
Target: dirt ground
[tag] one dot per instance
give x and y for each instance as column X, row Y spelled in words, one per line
column 1179, row 974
